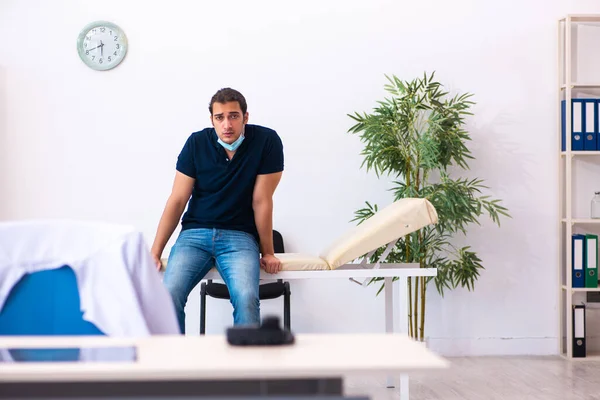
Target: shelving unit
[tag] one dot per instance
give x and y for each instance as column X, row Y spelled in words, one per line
column 568, row 223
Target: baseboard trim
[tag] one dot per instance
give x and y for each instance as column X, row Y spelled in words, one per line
column 456, row 347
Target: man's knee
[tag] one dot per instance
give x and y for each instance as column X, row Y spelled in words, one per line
column 245, row 298
column 246, row 306
column 181, row 276
column 177, row 293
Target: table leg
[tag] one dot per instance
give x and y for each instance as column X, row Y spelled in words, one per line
column 403, row 329
column 404, row 395
column 388, row 288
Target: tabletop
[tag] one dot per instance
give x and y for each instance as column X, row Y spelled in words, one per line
column 211, row 357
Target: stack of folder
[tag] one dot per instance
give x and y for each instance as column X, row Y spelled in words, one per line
column 584, row 124
column 585, row 261
column 585, row 275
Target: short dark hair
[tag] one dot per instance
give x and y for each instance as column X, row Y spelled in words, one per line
column 226, row 95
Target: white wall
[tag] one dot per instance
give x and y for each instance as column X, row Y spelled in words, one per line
column 102, row 145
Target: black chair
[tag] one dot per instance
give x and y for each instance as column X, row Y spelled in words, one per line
column 266, row 291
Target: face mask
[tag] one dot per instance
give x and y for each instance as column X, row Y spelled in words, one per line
column 233, row 146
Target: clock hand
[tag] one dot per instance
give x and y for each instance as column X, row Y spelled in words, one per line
column 101, row 49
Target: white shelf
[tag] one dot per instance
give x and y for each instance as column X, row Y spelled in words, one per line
column 581, row 153
column 582, row 221
column 584, row 17
column 582, row 85
column 581, row 289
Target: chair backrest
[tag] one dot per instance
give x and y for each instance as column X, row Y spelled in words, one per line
column 45, row 303
column 278, row 242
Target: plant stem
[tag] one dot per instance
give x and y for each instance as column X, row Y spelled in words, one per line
column 421, row 265
column 421, row 260
column 422, row 327
column 416, row 310
column 413, row 327
column 410, row 324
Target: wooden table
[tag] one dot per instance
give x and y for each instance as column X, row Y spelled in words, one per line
column 208, row 366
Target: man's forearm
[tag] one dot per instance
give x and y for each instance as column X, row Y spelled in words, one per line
column 263, row 218
column 166, row 226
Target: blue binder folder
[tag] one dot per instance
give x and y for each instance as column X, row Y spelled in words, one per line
column 597, row 122
column 578, row 257
column 578, row 123
column 563, row 125
column 590, row 126
column 577, row 118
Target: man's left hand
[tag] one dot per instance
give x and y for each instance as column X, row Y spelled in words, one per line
column 270, row 264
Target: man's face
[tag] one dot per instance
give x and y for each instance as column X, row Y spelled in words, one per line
column 228, row 120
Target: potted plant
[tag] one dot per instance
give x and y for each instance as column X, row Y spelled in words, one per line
column 417, row 137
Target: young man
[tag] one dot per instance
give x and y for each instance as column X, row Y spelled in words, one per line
column 231, row 172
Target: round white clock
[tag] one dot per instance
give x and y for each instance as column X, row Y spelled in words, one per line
column 102, row 45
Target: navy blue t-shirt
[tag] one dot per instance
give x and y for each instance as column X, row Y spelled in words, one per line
column 222, row 194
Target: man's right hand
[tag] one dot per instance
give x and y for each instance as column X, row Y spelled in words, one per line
column 157, row 262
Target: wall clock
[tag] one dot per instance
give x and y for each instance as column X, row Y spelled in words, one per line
column 102, row 45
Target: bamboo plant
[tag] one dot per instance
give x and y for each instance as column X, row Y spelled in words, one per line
column 417, row 138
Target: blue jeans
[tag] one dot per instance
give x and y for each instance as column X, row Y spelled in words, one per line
column 236, row 256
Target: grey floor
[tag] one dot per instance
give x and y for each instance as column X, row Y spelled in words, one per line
column 491, row 378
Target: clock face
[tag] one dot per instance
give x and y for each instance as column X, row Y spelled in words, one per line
column 102, row 45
